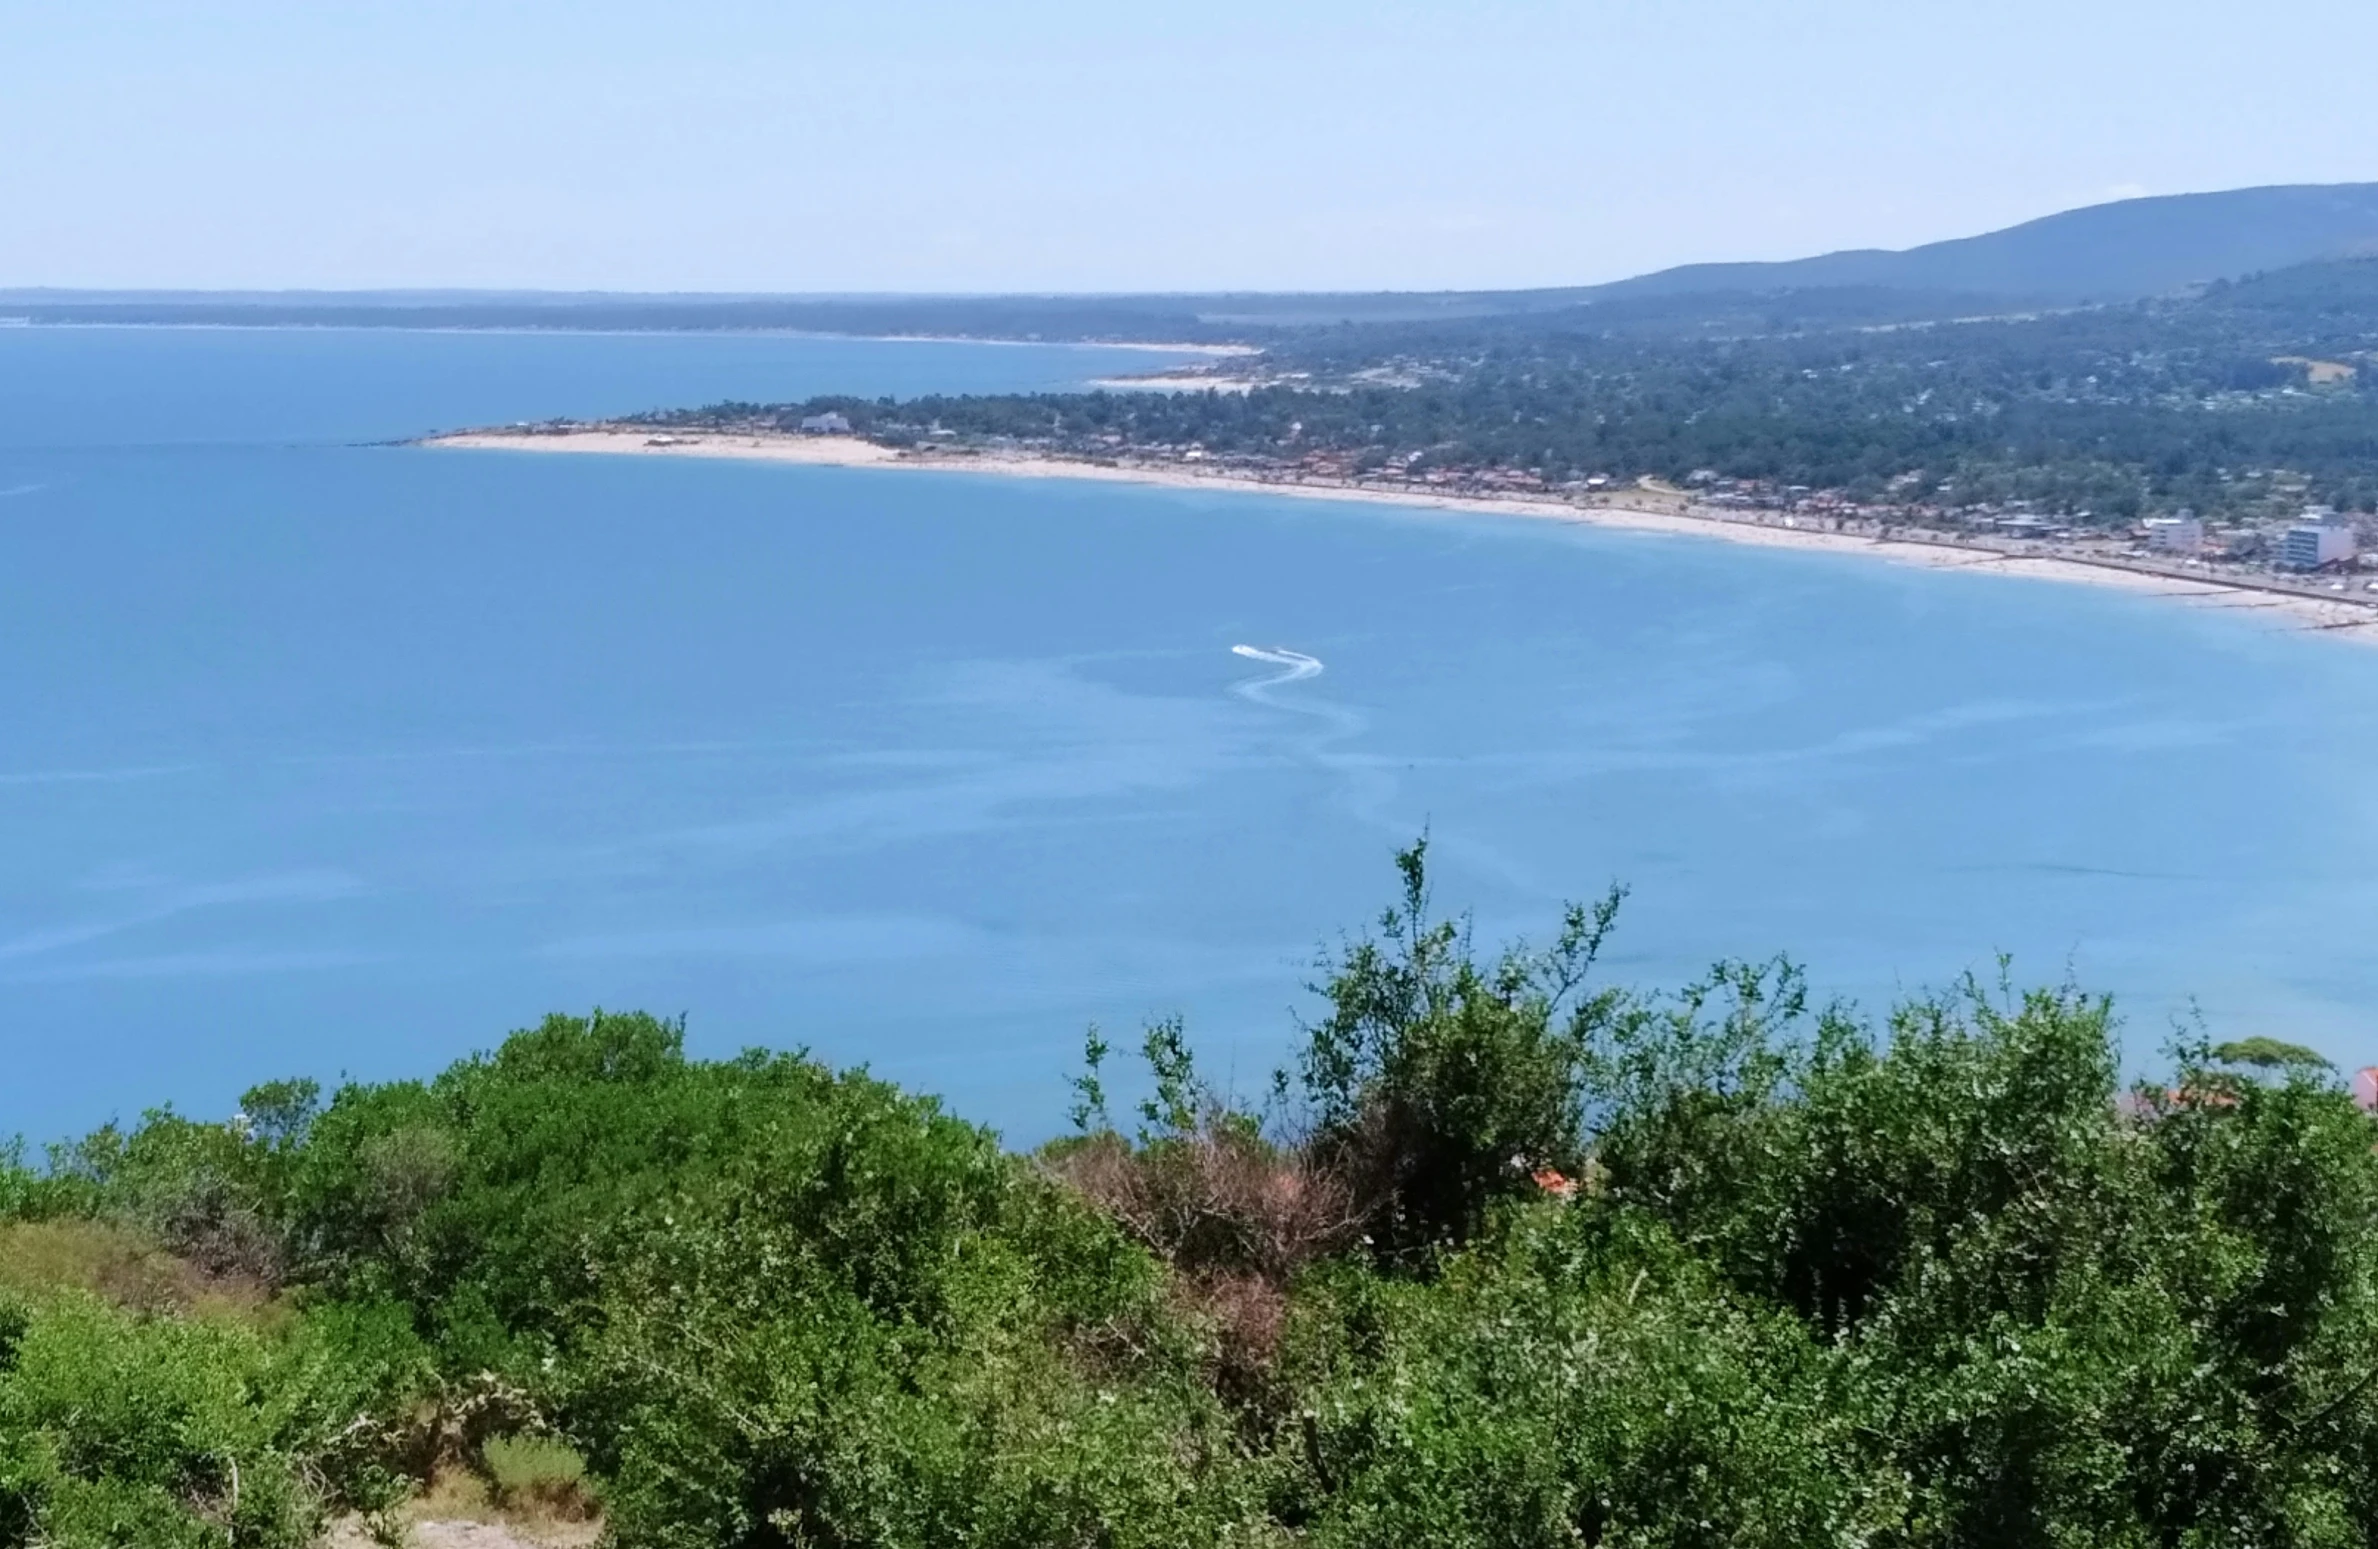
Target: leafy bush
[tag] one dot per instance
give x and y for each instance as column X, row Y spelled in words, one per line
column 1581, row 1380
column 878, row 1328
column 1439, row 1084
column 540, row 1473
column 125, row 1431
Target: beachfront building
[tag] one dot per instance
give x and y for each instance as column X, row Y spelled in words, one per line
column 2024, row 524
column 2181, row 534
column 2322, row 539
column 823, row 425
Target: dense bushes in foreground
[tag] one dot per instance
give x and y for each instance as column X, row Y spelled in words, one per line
column 1507, row 1258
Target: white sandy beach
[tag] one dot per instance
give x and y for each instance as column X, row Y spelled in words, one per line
column 1177, row 382
column 2352, row 620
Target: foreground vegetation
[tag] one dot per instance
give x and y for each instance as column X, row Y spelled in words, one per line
column 1507, row 1257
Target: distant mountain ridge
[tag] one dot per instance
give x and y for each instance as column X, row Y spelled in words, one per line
column 2123, row 251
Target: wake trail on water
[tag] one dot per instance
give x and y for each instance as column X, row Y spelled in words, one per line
column 1299, row 667
column 1366, row 788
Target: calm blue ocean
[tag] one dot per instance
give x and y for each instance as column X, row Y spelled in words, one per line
column 319, row 756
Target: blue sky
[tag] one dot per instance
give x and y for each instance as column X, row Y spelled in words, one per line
column 1089, row 145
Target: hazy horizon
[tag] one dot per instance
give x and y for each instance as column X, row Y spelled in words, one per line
column 396, row 295
column 1057, row 148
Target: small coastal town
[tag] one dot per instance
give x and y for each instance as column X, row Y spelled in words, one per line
column 2319, row 551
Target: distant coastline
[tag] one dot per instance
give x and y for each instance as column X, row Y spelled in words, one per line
column 350, row 325
column 2340, row 616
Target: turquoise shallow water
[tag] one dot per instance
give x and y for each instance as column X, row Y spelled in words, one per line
column 321, row 757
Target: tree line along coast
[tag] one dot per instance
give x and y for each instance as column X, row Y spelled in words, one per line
column 2242, row 408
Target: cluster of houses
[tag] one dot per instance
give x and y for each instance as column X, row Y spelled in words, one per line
column 2320, row 539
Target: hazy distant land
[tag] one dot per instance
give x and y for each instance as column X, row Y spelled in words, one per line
column 2124, row 251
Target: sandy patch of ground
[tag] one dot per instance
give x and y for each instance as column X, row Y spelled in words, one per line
column 350, row 1534
column 2321, row 373
column 838, row 451
column 1177, row 382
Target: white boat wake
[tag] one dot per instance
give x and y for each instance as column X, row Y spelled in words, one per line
column 1367, row 785
column 1299, row 665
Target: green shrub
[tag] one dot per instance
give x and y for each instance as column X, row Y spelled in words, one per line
column 481, row 1199
column 542, row 1473
column 137, row 1432
column 881, row 1329
column 1439, row 1084
column 1582, row 1379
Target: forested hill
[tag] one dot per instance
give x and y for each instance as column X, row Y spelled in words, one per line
column 1520, row 1260
column 2122, row 251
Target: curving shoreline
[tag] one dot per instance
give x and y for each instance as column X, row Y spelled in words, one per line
column 2287, row 608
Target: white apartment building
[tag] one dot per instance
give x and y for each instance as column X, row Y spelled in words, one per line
column 2312, row 544
column 2181, row 534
